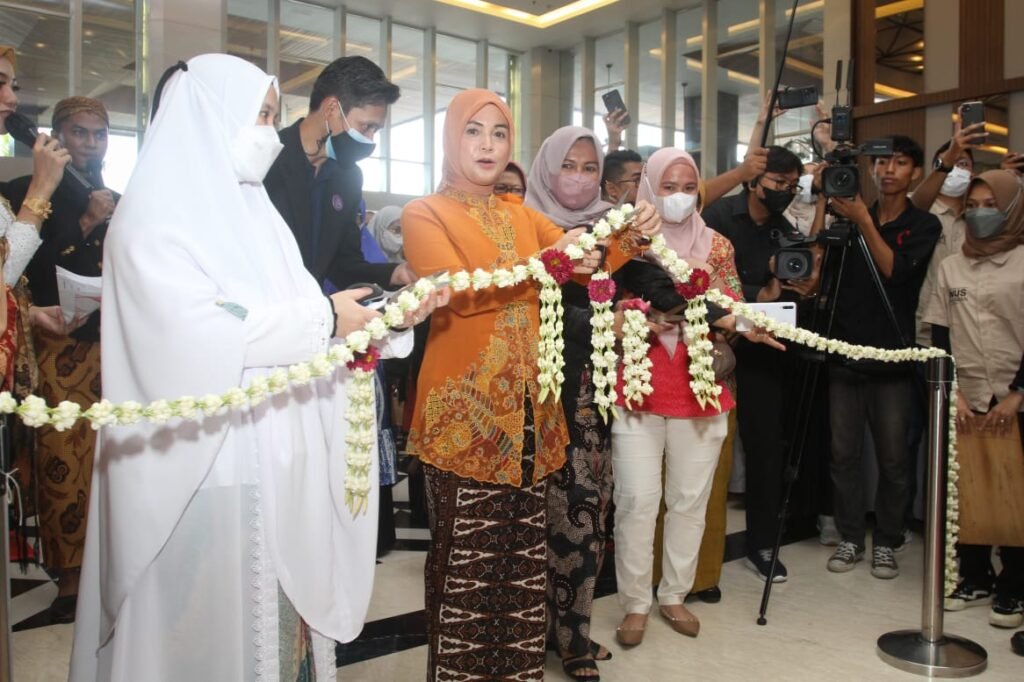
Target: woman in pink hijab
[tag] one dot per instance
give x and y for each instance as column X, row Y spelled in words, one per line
column 669, row 425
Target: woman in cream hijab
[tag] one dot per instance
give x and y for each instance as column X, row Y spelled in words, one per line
column 219, row 549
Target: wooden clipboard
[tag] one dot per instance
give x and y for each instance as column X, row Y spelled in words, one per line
column 991, row 488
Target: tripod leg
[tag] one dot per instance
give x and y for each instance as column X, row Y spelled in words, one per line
column 794, row 457
column 803, row 418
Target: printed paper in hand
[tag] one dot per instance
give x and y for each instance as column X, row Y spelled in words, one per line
column 79, row 295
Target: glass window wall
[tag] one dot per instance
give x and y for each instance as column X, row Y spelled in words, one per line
column 408, row 164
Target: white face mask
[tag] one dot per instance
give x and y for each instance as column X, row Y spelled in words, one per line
column 253, row 152
column 675, row 208
column 806, row 195
column 956, row 182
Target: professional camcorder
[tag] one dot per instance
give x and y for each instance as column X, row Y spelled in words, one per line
column 794, row 259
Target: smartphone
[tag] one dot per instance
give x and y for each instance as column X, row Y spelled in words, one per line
column 612, row 101
column 971, row 113
column 794, row 98
column 780, row 312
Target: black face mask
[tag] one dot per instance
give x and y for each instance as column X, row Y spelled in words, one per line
column 776, row 201
column 346, row 148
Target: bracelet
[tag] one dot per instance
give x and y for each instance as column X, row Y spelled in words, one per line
column 38, row 206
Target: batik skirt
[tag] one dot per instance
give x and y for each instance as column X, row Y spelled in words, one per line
column 486, row 578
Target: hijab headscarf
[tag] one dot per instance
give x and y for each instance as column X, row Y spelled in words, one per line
column 1009, row 195
column 692, row 237
column 547, row 167
column 191, row 283
column 389, row 242
column 8, row 51
column 460, row 111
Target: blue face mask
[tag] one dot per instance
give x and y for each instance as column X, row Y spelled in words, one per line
column 350, row 145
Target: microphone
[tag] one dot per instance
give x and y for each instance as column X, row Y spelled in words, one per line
column 95, row 168
column 25, row 132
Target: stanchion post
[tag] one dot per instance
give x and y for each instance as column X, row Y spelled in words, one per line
column 6, row 662
column 930, row 651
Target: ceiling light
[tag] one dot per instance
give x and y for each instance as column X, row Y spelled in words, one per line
column 916, row 58
column 889, row 91
column 555, row 16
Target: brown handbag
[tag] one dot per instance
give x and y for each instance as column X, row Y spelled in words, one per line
column 724, row 358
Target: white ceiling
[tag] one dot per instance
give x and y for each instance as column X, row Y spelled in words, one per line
column 462, row 22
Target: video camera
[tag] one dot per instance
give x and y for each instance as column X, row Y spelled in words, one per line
column 794, row 259
column 841, row 178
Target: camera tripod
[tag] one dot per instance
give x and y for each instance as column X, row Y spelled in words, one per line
column 841, row 236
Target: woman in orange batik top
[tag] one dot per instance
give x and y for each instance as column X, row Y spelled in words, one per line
column 486, row 441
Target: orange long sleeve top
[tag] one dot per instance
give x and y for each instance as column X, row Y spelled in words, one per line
column 480, row 363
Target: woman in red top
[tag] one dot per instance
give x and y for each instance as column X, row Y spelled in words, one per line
column 669, row 424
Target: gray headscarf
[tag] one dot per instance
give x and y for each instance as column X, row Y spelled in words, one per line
column 547, row 166
column 389, row 242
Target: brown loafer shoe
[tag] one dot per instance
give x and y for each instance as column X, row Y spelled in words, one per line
column 681, row 620
column 630, row 636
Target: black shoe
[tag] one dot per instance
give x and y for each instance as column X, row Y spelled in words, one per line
column 969, row 593
column 760, row 562
column 62, row 610
column 1017, row 643
column 1007, row 611
column 712, row 595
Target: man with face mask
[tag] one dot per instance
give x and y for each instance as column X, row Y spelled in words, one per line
column 953, row 168
column 748, row 220
column 315, row 182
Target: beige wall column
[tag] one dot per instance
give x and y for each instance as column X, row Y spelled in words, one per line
column 838, row 18
column 941, row 69
column 669, row 50
column 1013, row 66
column 180, row 29
column 543, row 94
column 709, row 91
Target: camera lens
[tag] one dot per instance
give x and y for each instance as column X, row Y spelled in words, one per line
column 794, row 265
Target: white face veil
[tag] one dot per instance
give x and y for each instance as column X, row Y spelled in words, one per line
column 187, row 239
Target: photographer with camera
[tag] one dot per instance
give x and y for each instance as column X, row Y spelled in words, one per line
column 752, row 220
column 899, row 238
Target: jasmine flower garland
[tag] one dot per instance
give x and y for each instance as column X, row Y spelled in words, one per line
column 636, row 366
column 808, row 338
column 702, row 375
column 360, row 437
column 601, row 290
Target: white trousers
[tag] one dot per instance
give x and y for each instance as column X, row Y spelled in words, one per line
column 690, row 450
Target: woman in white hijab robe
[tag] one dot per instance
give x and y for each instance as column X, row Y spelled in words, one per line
column 206, row 538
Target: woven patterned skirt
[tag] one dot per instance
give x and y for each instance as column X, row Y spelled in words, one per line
column 486, row 579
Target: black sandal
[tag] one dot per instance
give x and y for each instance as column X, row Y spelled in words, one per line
column 574, row 666
column 595, row 650
column 62, row 610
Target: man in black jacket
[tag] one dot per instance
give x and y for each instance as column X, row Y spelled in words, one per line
column 315, row 182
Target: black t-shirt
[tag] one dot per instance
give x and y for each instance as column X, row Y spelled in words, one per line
column 860, row 316
column 754, row 244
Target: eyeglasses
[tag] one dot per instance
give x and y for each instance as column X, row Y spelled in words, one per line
column 510, row 189
column 781, row 185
